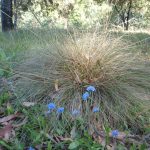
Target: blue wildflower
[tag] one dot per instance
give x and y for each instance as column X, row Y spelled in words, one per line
column 51, row 106
column 31, row 148
column 91, row 89
column 115, row 133
column 85, row 96
column 96, row 109
column 75, row 112
column 60, row 110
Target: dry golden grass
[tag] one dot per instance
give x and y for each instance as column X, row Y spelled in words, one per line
column 63, row 68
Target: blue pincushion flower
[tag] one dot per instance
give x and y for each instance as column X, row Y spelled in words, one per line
column 91, row 89
column 31, row 148
column 75, row 112
column 115, row 133
column 60, row 110
column 95, row 109
column 51, row 106
column 85, row 96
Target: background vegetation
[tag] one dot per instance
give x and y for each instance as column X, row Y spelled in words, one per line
column 80, row 13
column 75, row 74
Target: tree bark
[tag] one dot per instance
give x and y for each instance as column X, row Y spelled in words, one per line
column 128, row 15
column 15, row 15
column 7, row 15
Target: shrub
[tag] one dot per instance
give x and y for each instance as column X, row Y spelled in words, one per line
column 61, row 71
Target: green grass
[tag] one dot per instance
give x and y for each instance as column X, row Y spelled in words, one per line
column 137, row 41
column 40, row 129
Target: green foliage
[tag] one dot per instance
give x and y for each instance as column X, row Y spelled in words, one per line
column 38, row 131
column 81, row 13
column 86, row 142
column 137, row 11
column 4, row 65
column 5, row 145
column 86, row 14
column 4, row 97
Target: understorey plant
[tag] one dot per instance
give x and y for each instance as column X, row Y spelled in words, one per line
column 93, row 75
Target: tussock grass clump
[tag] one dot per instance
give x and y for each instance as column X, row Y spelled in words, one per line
column 60, row 71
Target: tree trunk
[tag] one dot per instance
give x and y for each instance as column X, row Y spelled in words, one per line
column 124, row 13
column 125, row 21
column 6, row 15
column 15, row 15
column 126, row 26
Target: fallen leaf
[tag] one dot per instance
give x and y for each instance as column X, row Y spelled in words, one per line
column 100, row 139
column 110, row 147
column 5, row 133
column 8, row 118
column 28, row 104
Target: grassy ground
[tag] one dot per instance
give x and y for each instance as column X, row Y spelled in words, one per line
column 31, row 126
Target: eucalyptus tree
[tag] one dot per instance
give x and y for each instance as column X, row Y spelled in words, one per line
column 7, row 15
column 128, row 9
